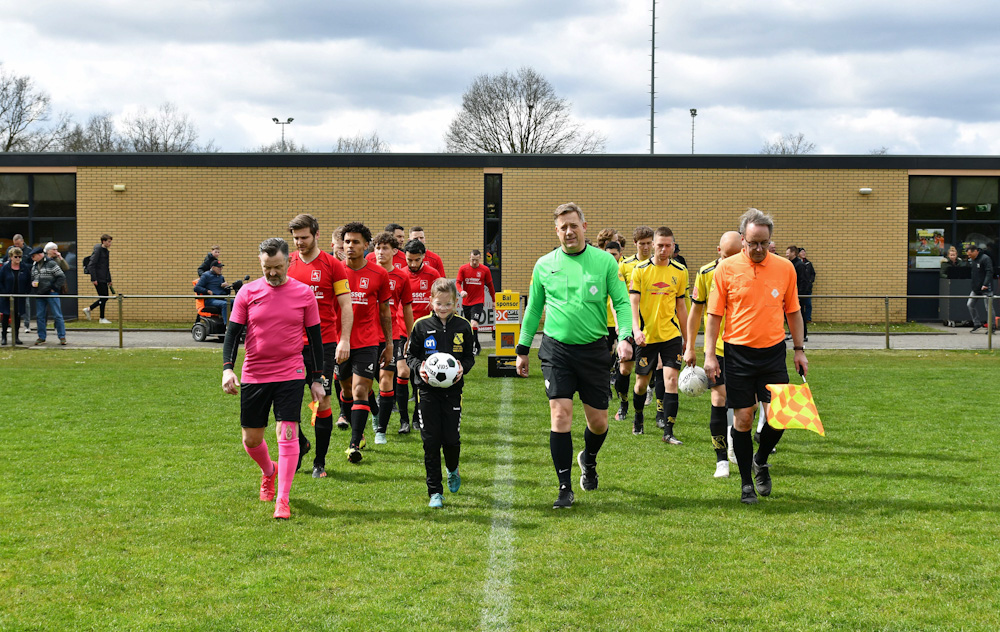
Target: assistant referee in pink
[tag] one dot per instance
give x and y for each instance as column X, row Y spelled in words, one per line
column 273, row 310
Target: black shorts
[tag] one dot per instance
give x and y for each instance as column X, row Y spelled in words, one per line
column 748, row 372
column 612, row 339
column 256, row 401
column 398, row 354
column 721, row 380
column 582, row 369
column 474, row 313
column 391, row 367
column 671, row 352
column 363, row 363
column 329, row 364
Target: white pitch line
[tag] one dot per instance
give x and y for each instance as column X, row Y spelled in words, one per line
column 497, row 587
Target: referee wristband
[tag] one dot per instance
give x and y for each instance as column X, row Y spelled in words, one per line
column 798, row 348
column 522, row 350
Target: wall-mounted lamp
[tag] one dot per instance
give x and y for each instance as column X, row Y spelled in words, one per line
column 118, row 188
column 865, row 190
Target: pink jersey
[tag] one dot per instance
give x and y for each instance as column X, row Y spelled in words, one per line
column 276, row 318
column 472, row 281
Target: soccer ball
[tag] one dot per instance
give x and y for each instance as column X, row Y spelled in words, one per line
column 692, row 381
column 442, row 369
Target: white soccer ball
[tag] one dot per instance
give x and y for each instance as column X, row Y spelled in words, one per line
column 442, row 369
column 692, row 381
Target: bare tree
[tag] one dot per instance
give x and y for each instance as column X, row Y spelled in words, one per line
column 880, row 151
column 99, row 135
column 166, row 130
column 361, row 144
column 24, row 110
column 518, row 113
column 276, row 148
column 789, row 144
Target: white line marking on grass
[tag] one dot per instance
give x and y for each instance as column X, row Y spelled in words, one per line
column 497, row 588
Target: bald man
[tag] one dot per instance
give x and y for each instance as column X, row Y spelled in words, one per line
column 729, row 245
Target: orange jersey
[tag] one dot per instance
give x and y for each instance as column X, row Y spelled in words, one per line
column 754, row 298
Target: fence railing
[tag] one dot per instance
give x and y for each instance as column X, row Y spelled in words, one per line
column 120, row 299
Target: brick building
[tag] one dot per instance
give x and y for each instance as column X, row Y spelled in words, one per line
column 857, row 215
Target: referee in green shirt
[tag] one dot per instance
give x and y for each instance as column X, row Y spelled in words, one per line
column 572, row 284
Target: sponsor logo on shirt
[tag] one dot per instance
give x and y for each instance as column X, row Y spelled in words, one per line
column 430, row 343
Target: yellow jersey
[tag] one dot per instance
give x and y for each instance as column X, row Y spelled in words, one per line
column 704, row 283
column 625, row 267
column 658, row 288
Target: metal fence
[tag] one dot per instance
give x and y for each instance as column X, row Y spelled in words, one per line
column 117, row 303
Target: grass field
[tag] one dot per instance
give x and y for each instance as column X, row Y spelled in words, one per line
column 128, row 503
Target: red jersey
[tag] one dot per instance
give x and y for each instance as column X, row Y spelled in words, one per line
column 398, row 259
column 420, row 287
column 473, row 280
column 434, row 260
column 370, row 288
column 327, row 278
column 399, row 289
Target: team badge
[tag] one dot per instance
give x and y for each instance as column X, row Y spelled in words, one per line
column 459, row 339
column 392, row 284
column 364, row 283
column 774, row 292
column 643, row 362
column 423, row 284
column 316, row 276
column 430, row 343
column 593, row 290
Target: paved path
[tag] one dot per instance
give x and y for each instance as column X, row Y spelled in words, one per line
column 944, row 338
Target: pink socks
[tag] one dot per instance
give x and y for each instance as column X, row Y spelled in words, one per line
column 288, row 456
column 261, row 457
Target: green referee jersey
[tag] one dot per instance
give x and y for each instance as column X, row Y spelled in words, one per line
column 573, row 290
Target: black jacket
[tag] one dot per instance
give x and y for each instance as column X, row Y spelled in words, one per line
column 429, row 337
column 206, row 265
column 100, row 265
column 982, row 273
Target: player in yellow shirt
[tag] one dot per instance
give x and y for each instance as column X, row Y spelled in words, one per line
column 729, row 245
column 657, row 290
column 642, row 237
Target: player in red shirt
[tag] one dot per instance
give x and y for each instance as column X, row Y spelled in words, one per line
column 422, row 277
column 472, row 278
column 372, row 325
column 274, row 311
column 435, row 261
column 398, row 258
column 327, row 278
column 401, row 302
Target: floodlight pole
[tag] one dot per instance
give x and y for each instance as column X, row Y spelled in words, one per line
column 283, row 124
column 694, row 113
column 652, row 81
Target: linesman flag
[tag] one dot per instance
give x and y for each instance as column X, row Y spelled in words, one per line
column 792, row 406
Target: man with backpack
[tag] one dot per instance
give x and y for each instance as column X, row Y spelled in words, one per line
column 98, row 267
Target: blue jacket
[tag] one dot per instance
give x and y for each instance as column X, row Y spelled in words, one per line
column 211, row 283
column 12, row 282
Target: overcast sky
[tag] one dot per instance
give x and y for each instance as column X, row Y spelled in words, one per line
column 915, row 76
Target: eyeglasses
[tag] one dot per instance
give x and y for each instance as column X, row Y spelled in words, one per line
column 15, row 256
column 758, row 245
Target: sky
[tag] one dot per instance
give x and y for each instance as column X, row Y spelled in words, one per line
column 913, row 76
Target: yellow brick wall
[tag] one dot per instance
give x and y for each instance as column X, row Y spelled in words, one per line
column 168, row 217
column 848, row 235
column 166, row 220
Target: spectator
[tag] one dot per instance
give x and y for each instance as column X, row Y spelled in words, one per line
column 810, row 276
column 48, row 278
column 982, row 280
column 25, row 310
column 213, row 255
column 950, row 264
column 99, row 268
column 792, row 254
column 212, row 282
column 15, row 278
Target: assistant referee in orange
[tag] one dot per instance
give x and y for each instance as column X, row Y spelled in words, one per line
column 755, row 291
